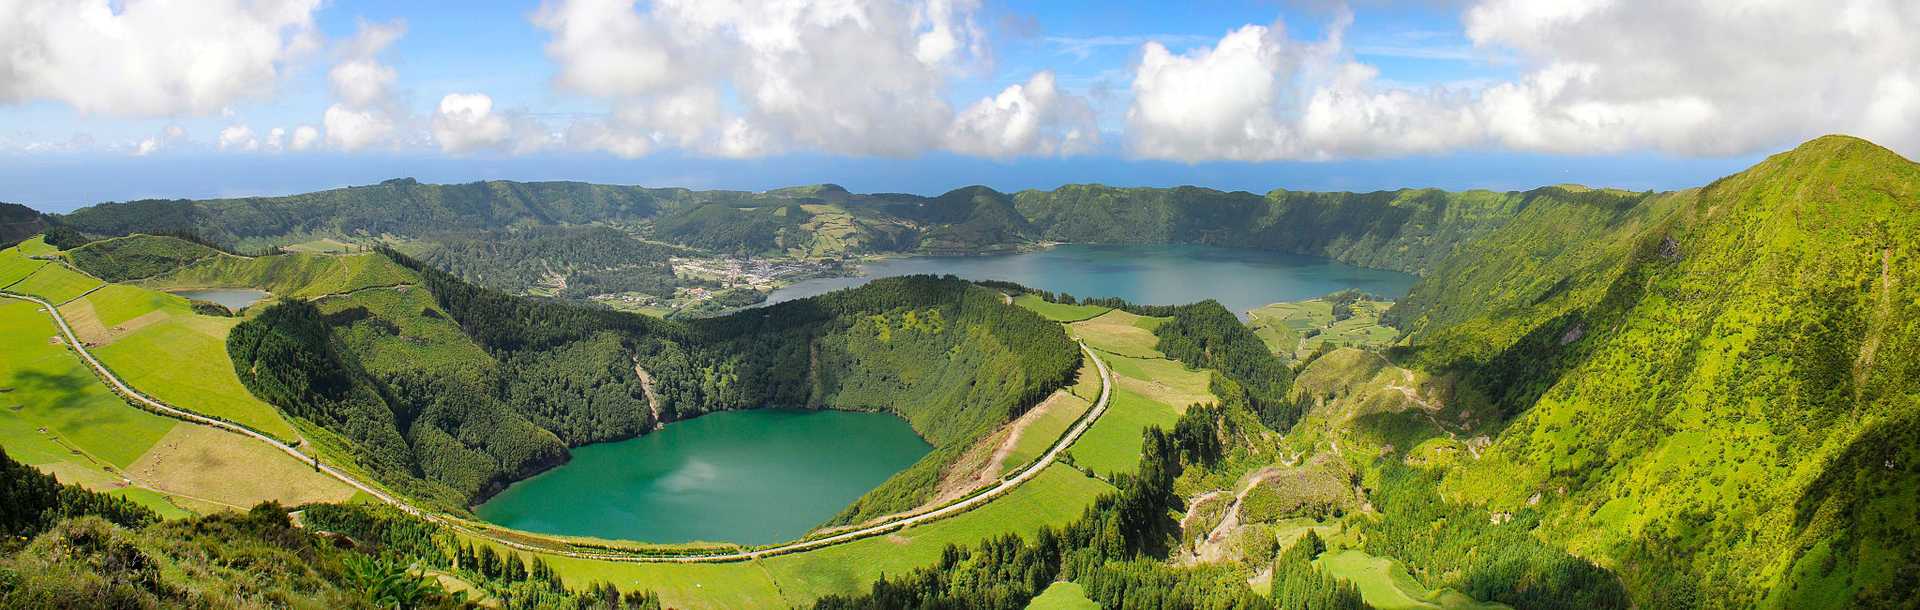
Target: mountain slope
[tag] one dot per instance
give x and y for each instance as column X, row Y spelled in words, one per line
column 1719, row 391
column 18, row 222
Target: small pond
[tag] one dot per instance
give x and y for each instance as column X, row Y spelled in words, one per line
column 231, row 298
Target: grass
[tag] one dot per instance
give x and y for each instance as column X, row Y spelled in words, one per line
column 1114, row 443
column 116, row 304
column 1385, row 584
column 1162, row 380
column 160, row 503
column 1063, row 596
column 37, row 246
column 48, row 387
column 299, row 275
column 226, row 468
column 15, row 266
column 1059, row 312
column 322, row 245
column 1295, row 329
column 1120, row 333
column 1055, row 415
column 56, row 283
column 176, row 356
column 1054, row 498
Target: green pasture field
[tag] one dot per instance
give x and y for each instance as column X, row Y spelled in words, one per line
column 1385, row 584
column 56, row 283
column 48, row 387
column 1063, row 409
column 1114, row 443
column 15, row 266
column 183, row 362
column 1121, row 333
column 37, row 246
column 1284, row 326
column 1063, row 596
column 1162, row 380
column 1058, row 312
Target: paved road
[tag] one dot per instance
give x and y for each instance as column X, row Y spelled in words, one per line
column 898, row 522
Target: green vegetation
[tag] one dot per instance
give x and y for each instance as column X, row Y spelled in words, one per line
column 1700, row 378
column 48, row 388
column 157, row 343
column 1063, row 596
column 449, row 391
column 1593, row 399
column 1117, row 332
column 16, row 266
column 183, row 361
column 297, row 275
column 1344, row 319
column 73, row 548
column 576, row 262
column 137, row 256
column 1112, row 445
column 55, row 283
column 1384, row 584
column 1056, row 416
column 1056, row 311
column 17, row 223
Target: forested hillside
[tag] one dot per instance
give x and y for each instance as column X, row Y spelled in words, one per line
column 1715, row 390
column 451, row 391
column 18, row 222
column 1407, row 230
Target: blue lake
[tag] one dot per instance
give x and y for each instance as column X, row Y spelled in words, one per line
column 1151, row 275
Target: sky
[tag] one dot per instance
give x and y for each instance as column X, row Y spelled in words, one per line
column 122, row 99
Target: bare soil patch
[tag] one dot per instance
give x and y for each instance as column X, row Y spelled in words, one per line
column 226, row 468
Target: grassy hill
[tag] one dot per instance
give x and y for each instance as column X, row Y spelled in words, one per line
column 1714, row 389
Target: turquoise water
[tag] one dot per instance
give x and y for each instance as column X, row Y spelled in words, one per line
column 751, row 477
column 1151, row 275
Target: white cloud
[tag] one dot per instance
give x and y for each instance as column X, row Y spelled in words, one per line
column 1598, row 76
column 1034, row 118
column 351, row 130
column 738, row 78
column 305, row 137
column 171, row 136
column 148, row 57
column 466, row 122
column 276, row 139
column 1703, row 78
column 238, row 137
column 366, row 114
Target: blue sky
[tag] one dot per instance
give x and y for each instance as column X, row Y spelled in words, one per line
column 928, row 95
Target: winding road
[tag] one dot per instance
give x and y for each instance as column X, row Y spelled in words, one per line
column 894, row 523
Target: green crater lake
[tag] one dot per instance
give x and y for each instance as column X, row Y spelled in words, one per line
column 1239, row 278
column 751, row 477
